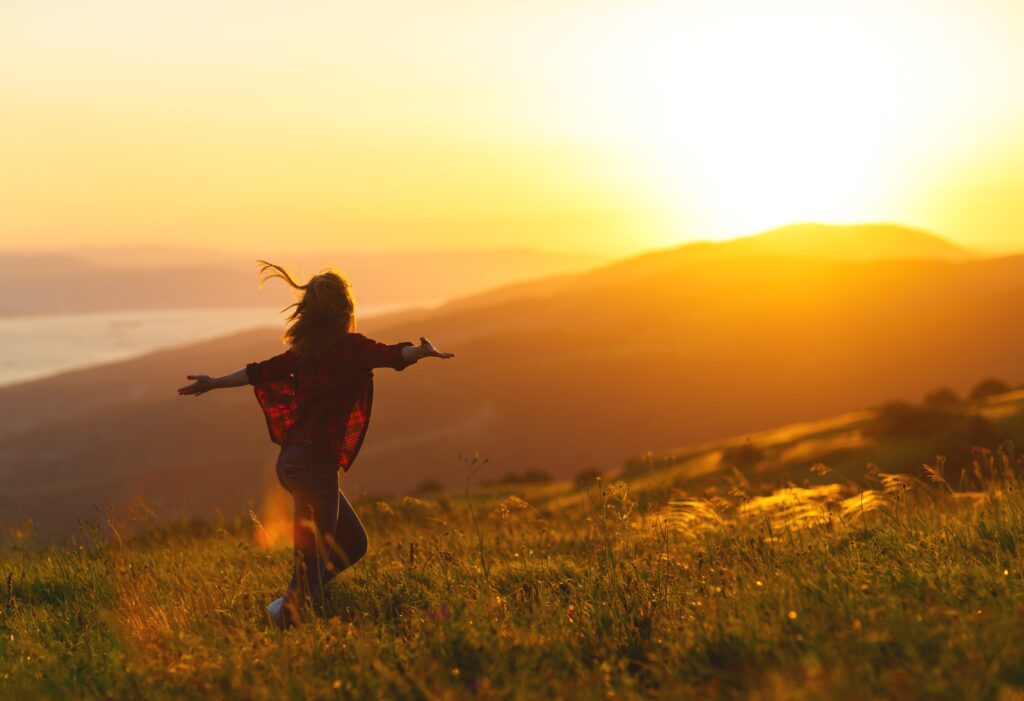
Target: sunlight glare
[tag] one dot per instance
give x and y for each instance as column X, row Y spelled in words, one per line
column 749, row 117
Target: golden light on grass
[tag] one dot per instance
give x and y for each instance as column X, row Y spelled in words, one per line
column 788, row 509
column 272, row 527
column 183, row 610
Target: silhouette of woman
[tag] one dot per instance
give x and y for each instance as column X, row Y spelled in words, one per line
column 316, row 397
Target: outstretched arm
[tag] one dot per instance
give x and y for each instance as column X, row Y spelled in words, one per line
column 204, row 383
column 424, row 350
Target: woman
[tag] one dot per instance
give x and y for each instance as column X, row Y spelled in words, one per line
column 317, row 397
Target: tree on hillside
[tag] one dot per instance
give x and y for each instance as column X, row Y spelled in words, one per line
column 989, row 388
column 943, row 399
column 899, row 418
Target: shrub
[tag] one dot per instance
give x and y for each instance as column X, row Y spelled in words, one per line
column 534, row 475
column 530, row 475
column 427, row 486
column 744, row 457
column 944, row 399
column 989, row 388
column 587, row 477
column 899, row 418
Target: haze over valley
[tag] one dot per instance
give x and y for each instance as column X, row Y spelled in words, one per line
column 138, row 278
column 674, row 347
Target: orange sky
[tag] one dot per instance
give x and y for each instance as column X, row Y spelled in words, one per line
column 567, row 125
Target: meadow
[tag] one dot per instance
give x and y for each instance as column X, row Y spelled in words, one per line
column 637, row 585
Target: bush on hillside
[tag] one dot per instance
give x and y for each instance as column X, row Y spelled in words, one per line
column 743, row 457
column 989, row 388
column 944, row 399
column 587, row 477
column 531, row 475
column 427, row 486
column 899, row 418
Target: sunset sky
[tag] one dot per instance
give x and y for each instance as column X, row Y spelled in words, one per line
column 566, row 125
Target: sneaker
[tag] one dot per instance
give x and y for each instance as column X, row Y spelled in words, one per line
column 275, row 609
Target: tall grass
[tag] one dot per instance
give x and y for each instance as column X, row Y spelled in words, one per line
column 904, row 587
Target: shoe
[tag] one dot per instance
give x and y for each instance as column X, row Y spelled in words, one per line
column 275, row 609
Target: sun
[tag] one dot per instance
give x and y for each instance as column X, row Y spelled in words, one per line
column 773, row 140
column 795, row 112
column 770, row 122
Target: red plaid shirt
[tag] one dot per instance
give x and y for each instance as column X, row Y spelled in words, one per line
column 324, row 398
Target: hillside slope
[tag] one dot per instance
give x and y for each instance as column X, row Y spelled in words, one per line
column 641, row 355
column 908, row 589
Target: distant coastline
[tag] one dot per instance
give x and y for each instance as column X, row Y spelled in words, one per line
column 41, row 345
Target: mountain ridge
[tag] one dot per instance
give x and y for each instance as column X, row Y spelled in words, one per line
column 587, row 374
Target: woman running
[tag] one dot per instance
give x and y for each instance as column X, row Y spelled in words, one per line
column 317, row 397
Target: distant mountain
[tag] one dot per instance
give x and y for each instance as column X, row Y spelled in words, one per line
column 848, row 243
column 820, row 242
column 669, row 348
column 135, row 278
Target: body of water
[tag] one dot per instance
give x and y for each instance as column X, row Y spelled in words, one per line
column 39, row 345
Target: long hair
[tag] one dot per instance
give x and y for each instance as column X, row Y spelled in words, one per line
column 324, row 312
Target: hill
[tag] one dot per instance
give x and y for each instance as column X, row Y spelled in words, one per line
column 824, row 243
column 897, row 587
column 849, row 243
column 660, row 350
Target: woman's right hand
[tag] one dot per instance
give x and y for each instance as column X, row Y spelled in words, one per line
column 203, row 383
column 427, row 350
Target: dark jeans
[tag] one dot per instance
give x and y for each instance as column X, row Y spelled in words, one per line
column 328, row 535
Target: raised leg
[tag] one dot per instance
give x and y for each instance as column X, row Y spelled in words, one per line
column 348, row 543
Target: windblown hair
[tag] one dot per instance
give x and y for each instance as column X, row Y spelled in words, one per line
column 325, row 311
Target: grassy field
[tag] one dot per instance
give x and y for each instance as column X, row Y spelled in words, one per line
column 887, row 586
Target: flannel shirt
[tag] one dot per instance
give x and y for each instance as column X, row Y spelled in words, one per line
column 325, row 398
